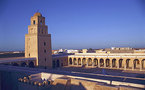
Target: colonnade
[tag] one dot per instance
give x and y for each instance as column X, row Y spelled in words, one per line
column 22, row 63
column 118, row 63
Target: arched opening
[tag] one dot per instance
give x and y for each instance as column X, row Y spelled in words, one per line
column 136, row 64
column 31, row 64
column 89, row 62
column 61, row 64
column 15, row 64
column 23, row 64
column 128, row 63
column 107, row 62
column 75, row 61
column 53, row 64
column 101, row 62
column 84, row 61
column 33, row 21
column 95, row 62
column 57, row 63
column 113, row 62
column 143, row 64
column 70, row 61
column 79, row 61
column 120, row 63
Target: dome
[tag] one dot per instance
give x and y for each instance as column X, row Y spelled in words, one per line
column 37, row 14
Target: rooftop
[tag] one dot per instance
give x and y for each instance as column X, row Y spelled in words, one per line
column 15, row 59
column 37, row 14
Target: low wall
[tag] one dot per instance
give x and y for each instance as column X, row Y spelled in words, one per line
column 55, row 76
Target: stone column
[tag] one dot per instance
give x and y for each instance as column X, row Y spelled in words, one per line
column 124, row 62
column 87, row 61
column 77, row 62
column 98, row 63
column 140, row 65
column 72, row 61
column 92, row 63
column 110, row 62
column 125, row 67
column 117, row 63
column 104, row 63
column 132, row 64
column 81, row 62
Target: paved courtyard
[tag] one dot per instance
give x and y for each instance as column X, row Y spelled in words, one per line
column 113, row 72
column 92, row 73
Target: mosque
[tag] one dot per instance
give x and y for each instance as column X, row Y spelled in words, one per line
column 38, row 45
column 38, row 53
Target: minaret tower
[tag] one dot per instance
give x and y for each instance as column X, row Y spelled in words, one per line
column 38, row 41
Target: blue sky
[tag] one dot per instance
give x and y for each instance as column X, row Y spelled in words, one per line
column 75, row 24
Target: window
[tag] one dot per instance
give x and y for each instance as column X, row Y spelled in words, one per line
column 44, row 51
column 34, row 22
column 41, row 22
column 29, row 54
column 45, row 59
column 44, row 43
column 42, row 31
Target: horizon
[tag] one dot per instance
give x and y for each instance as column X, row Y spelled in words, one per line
column 75, row 24
column 71, row 49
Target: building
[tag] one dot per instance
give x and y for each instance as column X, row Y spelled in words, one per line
column 38, row 47
column 38, row 41
column 71, row 51
column 103, row 59
column 38, row 53
column 120, row 50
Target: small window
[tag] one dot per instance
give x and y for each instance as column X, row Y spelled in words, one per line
column 44, row 51
column 44, row 43
column 45, row 59
column 42, row 31
column 34, row 22
column 41, row 22
column 29, row 54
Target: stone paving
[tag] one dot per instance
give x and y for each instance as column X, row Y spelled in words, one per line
column 138, row 74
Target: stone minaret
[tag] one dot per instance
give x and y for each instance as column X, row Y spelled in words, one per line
column 38, row 41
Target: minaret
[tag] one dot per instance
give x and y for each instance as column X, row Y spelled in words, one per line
column 38, row 41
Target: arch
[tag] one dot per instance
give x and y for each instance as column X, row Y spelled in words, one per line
column 31, row 64
column 70, row 61
column 53, row 64
column 57, row 63
column 143, row 64
column 120, row 63
column 101, row 62
column 61, row 64
column 15, row 64
column 89, row 62
column 75, row 61
column 79, row 61
column 95, row 61
column 136, row 64
column 23, row 64
column 107, row 62
column 114, row 62
column 128, row 63
column 84, row 61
